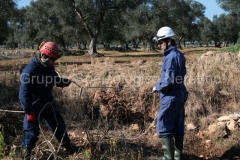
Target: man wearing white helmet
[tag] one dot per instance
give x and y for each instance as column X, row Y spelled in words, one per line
column 170, row 120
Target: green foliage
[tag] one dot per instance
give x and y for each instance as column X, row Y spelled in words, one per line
column 232, row 48
column 2, row 143
column 12, row 154
column 3, row 57
column 230, row 5
column 76, row 22
column 7, row 8
column 87, row 155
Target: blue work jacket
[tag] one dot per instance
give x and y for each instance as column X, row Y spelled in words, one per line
column 36, row 86
column 173, row 72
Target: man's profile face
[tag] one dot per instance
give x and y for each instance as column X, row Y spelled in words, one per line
column 50, row 62
column 162, row 45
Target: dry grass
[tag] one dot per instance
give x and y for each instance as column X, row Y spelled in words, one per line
column 213, row 91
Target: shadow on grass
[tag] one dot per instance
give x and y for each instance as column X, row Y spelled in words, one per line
column 232, row 153
column 135, row 150
column 8, row 94
column 141, row 55
column 190, row 157
column 129, row 149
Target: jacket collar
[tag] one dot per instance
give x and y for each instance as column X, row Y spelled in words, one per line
column 166, row 52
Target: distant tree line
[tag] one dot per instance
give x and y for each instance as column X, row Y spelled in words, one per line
column 86, row 23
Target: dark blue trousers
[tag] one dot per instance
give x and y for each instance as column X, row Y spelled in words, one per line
column 55, row 122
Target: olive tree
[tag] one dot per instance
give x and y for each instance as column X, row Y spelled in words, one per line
column 7, row 9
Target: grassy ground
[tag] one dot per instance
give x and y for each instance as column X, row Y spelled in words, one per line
column 132, row 74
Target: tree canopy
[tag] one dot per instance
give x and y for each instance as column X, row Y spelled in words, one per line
column 92, row 22
column 7, row 9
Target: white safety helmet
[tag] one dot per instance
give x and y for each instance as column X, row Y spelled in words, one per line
column 164, row 32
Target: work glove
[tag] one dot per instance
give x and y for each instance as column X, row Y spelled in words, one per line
column 154, row 90
column 31, row 117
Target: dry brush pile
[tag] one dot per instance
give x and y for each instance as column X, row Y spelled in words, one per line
column 213, row 84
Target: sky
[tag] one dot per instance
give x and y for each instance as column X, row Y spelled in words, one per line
column 212, row 8
column 22, row 3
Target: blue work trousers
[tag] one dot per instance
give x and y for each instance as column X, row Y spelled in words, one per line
column 171, row 116
column 55, row 122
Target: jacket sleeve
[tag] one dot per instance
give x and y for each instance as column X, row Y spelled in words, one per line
column 60, row 82
column 167, row 81
column 25, row 92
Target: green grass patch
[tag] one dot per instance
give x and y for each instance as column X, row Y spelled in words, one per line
column 4, row 58
column 231, row 48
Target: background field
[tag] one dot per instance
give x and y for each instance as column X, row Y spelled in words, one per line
column 119, row 85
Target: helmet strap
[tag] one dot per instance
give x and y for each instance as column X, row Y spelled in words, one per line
column 166, row 41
